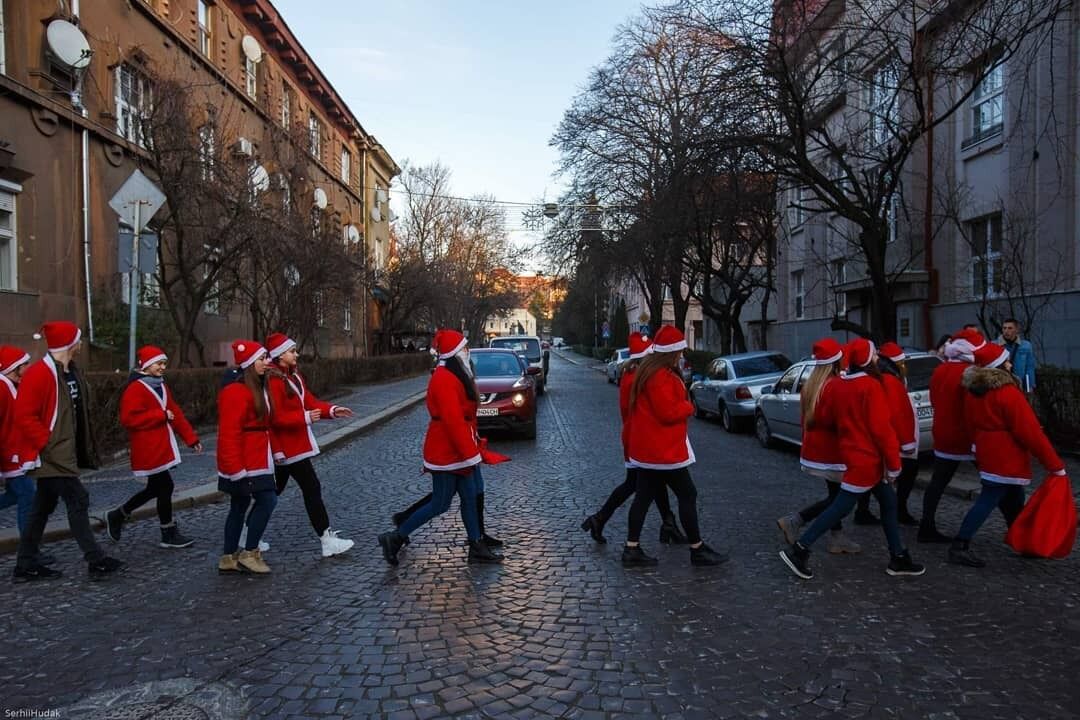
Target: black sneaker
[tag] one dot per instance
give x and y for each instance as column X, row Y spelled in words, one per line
column 391, row 543
column 705, row 555
column 34, row 572
column 114, row 524
column 867, row 518
column 105, row 566
column 481, row 552
column 171, row 538
column 903, row 565
column 636, row 557
column 931, row 535
column 595, row 527
column 797, row 558
column 960, row 554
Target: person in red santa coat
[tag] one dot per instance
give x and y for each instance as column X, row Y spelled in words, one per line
column 149, row 413
column 52, row 417
column 659, row 410
column 452, row 450
column 820, row 452
column 952, row 440
column 858, row 411
column 892, row 362
column 18, row 486
column 1006, row 433
column 244, row 460
column 640, row 347
column 293, row 411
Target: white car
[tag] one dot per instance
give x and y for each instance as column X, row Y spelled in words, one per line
column 614, row 365
column 531, row 348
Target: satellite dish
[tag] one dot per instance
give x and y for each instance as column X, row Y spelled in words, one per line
column 68, row 45
column 320, row 198
column 353, row 234
column 260, row 179
column 251, row 48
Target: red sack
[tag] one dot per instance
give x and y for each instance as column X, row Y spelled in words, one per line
column 490, row 457
column 1046, row 527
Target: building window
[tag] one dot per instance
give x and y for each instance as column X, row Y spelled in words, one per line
column 205, row 33
column 314, row 135
column 133, row 104
column 987, row 264
column 799, row 197
column 9, row 255
column 988, row 104
column 346, row 166
column 320, row 316
column 797, row 285
column 207, row 151
column 316, row 223
column 347, row 317
column 3, row 52
column 884, row 110
column 251, row 77
column 892, row 217
column 839, row 277
column 286, row 105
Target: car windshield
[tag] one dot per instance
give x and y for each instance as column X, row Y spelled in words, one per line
column 919, row 370
column 530, row 348
column 761, row 365
column 496, row 364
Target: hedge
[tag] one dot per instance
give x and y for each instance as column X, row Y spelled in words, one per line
column 196, row 389
column 1057, row 399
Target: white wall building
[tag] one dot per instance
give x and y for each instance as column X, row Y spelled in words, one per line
column 518, row 321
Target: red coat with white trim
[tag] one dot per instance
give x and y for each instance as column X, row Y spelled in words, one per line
column 151, row 434
column 243, row 448
column 820, row 452
column 625, row 383
column 859, row 412
column 9, row 437
column 658, row 421
column 452, row 442
column 902, row 415
column 1004, row 428
column 291, row 404
column 35, row 411
column 952, row 440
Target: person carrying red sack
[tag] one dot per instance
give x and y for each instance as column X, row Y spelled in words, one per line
column 453, row 452
column 1006, row 433
column 149, row 413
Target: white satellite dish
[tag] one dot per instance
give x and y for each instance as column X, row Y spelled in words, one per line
column 260, row 179
column 68, row 45
column 320, row 198
column 251, row 48
column 353, row 234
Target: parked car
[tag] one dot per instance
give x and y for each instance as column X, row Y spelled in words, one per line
column 686, row 370
column 557, row 342
column 507, row 391
column 778, row 414
column 615, row 363
column 530, row 347
column 732, row 383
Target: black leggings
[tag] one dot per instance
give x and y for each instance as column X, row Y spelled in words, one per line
column 944, row 469
column 623, row 492
column 304, row 474
column 810, row 512
column 905, row 483
column 159, row 486
column 652, row 483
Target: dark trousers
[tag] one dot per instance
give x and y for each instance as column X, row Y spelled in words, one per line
column 650, row 484
column 1009, row 498
column 622, row 493
column 304, row 474
column 944, row 469
column 262, row 503
column 905, row 483
column 158, row 486
column 810, row 512
column 49, row 491
column 842, row 505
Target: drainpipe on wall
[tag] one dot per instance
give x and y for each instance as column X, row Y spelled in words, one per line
column 76, row 100
column 364, row 248
column 928, row 214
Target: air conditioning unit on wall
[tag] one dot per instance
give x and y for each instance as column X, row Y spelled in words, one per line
column 244, row 147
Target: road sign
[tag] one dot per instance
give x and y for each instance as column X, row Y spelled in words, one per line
column 645, row 329
column 605, row 331
column 148, row 243
column 137, row 190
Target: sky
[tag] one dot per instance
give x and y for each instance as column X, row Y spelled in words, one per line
column 479, row 85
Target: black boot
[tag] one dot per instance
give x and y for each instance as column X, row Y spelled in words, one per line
column 488, row 540
column 960, row 554
column 114, row 523
column 670, row 534
column 705, row 555
column 391, row 543
column 594, row 524
column 634, row 556
column 171, row 537
column 930, row 534
column 481, row 552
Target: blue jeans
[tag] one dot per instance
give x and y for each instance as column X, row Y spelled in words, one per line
column 843, row 505
column 19, row 491
column 1010, row 498
column 264, row 503
column 443, row 487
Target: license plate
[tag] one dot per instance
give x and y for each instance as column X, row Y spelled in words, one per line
column 487, row 412
column 926, row 412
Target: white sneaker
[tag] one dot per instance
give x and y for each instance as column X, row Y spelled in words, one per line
column 263, row 545
column 334, row 545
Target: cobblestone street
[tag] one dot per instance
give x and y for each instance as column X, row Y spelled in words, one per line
column 561, row 629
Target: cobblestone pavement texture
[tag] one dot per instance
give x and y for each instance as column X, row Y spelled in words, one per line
column 561, row 629
column 114, row 483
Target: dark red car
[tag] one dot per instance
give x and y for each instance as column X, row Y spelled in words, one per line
column 507, row 391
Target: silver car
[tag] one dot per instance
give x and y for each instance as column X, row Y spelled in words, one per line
column 732, row 384
column 779, row 414
column 615, row 363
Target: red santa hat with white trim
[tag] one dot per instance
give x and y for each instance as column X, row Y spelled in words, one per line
column 148, row 355
column 246, row 352
column 991, row 356
column 60, row 335
column 12, row 357
column 640, row 345
column 277, row 344
column 448, row 343
column 827, row 351
column 893, row 352
column 668, row 339
column 964, row 344
column 860, row 352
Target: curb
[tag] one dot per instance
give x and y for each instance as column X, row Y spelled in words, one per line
column 599, row 368
column 207, row 492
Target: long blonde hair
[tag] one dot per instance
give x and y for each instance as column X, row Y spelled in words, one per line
column 811, row 390
column 650, row 365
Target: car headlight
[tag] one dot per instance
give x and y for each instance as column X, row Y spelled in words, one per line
column 518, row 399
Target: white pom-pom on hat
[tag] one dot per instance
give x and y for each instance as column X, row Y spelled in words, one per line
column 37, row 336
column 241, row 347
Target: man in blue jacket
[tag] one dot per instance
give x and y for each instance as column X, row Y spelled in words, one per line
column 1020, row 353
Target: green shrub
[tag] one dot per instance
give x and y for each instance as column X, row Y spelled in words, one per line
column 1057, row 400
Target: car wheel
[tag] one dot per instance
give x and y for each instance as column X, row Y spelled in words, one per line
column 541, row 388
column 529, row 433
column 610, row 380
column 726, row 420
column 763, row 431
column 698, row 412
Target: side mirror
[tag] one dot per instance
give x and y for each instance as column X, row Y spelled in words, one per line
column 767, row 390
column 532, row 370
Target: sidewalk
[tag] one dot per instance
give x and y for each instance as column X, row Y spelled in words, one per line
column 196, row 477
